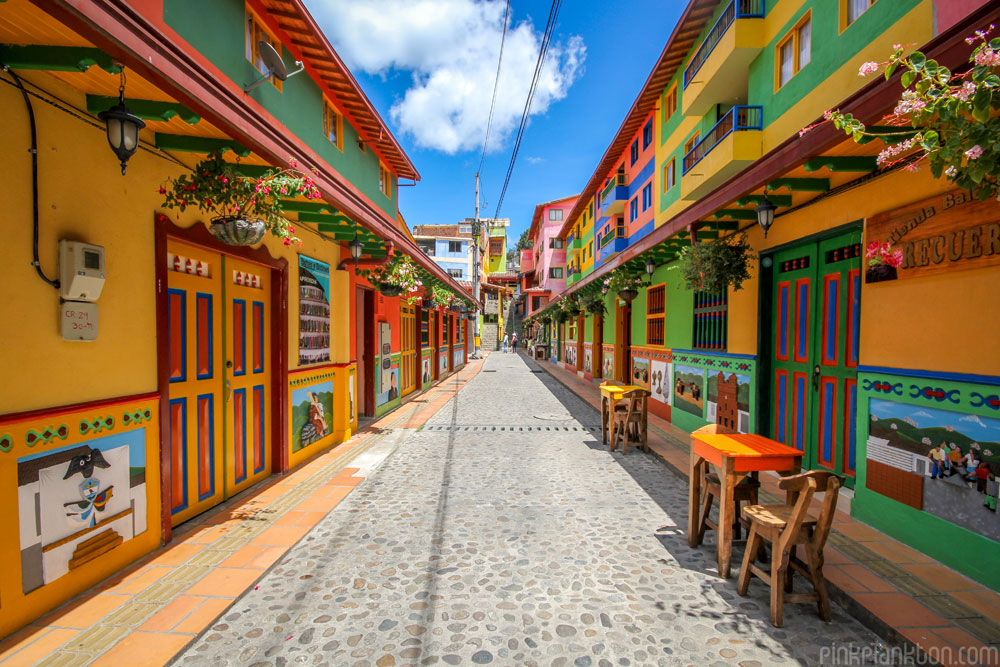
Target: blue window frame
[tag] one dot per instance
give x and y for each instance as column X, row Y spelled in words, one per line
column 635, row 151
column 633, row 209
column 647, row 135
column 647, row 196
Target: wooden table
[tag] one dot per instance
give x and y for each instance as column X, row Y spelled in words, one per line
column 734, row 457
column 611, row 394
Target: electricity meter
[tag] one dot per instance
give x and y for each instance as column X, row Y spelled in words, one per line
column 81, row 270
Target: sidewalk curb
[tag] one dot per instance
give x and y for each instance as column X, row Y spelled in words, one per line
column 853, row 608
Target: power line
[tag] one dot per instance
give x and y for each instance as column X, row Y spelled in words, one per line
column 543, row 48
column 496, row 85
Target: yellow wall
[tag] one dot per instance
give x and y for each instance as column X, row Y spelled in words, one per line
column 943, row 322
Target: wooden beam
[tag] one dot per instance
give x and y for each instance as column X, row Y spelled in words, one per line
column 145, row 109
column 56, row 58
column 189, row 144
column 800, row 184
column 296, row 206
column 777, row 200
column 842, row 163
column 735, row 213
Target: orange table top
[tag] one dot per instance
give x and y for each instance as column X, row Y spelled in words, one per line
column 752, row 452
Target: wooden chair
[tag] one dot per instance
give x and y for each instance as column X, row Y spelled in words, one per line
column 786, row 527
column 711, row 488
column 630, row 421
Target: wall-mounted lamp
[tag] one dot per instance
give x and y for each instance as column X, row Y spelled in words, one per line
column 765, row 214
column 356, row 246
column 122, row 127
column 650, row 267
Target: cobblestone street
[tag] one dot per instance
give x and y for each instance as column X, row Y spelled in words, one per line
column 503, row 532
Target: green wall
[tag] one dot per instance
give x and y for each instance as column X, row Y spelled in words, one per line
column 216, row 30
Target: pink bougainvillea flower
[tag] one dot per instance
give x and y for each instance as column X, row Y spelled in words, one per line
column 974, row 153
column 867, row 68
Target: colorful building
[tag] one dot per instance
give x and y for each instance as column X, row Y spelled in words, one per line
column 544, row 265
column 448, row 245
column 166, row 370
column 863, row 375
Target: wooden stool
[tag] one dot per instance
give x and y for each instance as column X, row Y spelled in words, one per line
column 631, row 423
column 786, row 527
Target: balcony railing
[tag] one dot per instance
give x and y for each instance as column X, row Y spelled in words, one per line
column 612, row 184
column 736, row 9
column 737, row 119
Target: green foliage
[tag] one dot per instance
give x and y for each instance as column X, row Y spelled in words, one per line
column 716, row 265
column 399, row 271
column 441, row 296
column 948, row 119
column 593, row 303
column 570, row 304
column 216, row 189
column 621, row 279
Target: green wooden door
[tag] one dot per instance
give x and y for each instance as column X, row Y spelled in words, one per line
column 816, row 299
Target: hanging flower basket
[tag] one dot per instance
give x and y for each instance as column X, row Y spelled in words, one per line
column 882, row 262
column 880, row 273
column 238, row 231
column 627, row 295
column 385, row 289
column 717, row 266
column 427, row 304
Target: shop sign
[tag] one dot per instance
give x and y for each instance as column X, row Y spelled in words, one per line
column 950, row 232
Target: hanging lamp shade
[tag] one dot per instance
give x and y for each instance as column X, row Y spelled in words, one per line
column 765, row 214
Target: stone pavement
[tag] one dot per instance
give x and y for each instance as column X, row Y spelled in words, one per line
column 502, row 532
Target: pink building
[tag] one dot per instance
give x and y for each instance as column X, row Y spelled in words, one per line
column 543, row 266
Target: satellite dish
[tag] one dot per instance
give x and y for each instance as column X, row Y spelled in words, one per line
column 273, row 65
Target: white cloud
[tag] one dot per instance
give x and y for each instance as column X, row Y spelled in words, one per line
column 535, row 160
column 450, row 49
column 922, row 414
column 974, row 419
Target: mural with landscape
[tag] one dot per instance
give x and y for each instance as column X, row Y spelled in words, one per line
column 740, row 412
column 940, row 461
column 312, row 411
column 689, row 389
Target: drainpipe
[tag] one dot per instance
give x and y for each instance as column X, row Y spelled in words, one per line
column 370, row 263
column 693, row 232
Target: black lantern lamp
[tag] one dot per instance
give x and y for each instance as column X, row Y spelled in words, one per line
column 356, row 246
column 650, row 267
column 122, row 126
column 765, row 214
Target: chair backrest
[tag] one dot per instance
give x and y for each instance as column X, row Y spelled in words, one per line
column 636, row 400
column 713, row 428
column 818, row 481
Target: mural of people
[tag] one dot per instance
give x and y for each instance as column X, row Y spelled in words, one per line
column 310, row 408
column 393, row 387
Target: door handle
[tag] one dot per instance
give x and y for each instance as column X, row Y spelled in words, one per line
column 816, row 378
column 229, row 391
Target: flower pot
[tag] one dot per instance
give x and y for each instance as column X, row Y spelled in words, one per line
column 427, row 304
column 880, row 272
column 389, row 290
column 238, row 231
column 627, row 295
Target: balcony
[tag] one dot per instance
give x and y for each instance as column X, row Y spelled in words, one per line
column 614, row 196
column 721, row 64
column 725, row 150
column 527, row 260
column 574, row 245
column 573, row 278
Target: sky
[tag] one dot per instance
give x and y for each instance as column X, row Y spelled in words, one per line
column 429, row 68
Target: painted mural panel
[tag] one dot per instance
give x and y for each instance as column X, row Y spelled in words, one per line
column 79, row 502
column 571, row 353
column 314, row 311
column 942, row 461
column 425, row 371
column 389, row 384
column 588, row 359
column 659, row 381
column 640, row 371
column 312, row 412
column 458, row 357
column 728, row 401
column 689, row 389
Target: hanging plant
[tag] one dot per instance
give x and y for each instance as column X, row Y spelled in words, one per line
column 441, row 297
column 242, row 208
column 882, row 262
column 560, row 316
column 593, row 303
column 717, row 265
column 545, row 318
column 570, row 304
column 625, row 284
column 948, row 119
column 400, row 275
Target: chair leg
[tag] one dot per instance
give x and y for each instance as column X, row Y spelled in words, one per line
column 737, row 526
column 753, row 542
column 789, row 570
column 819, row 582
column 779, row 561
column 706, row 507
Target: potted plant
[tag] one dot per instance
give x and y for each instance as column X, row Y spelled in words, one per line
column 570, row 304
column 441, row 297
column 593, row 303
column 882, row 262
column 242, row 208
column 715, row 266
column 396, row 277
column 624, row 283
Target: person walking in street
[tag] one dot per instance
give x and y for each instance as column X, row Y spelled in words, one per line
column 513, row 342
column 505, row 342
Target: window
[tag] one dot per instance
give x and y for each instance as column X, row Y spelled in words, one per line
column 384, row 180
column 555, row 214
column 333, row 125
column 655, row 314
column 465, row 229
column 633, row 209
column 647, row 135
column 361, row 145
column 691, row 143
column 454, row 246
column 428, row 248
column 669, row 174
column 556, row 243
column 670, row 103
column 635, row 151
column 496, row 247
column 794, row 51
column 455, row 273
column 647, row 196
column 851, row 10
column 620, row 227
column 556, row 272
column 710, row 320
column 256, row 33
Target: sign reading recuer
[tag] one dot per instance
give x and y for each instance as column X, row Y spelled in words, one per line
column 950, row 232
